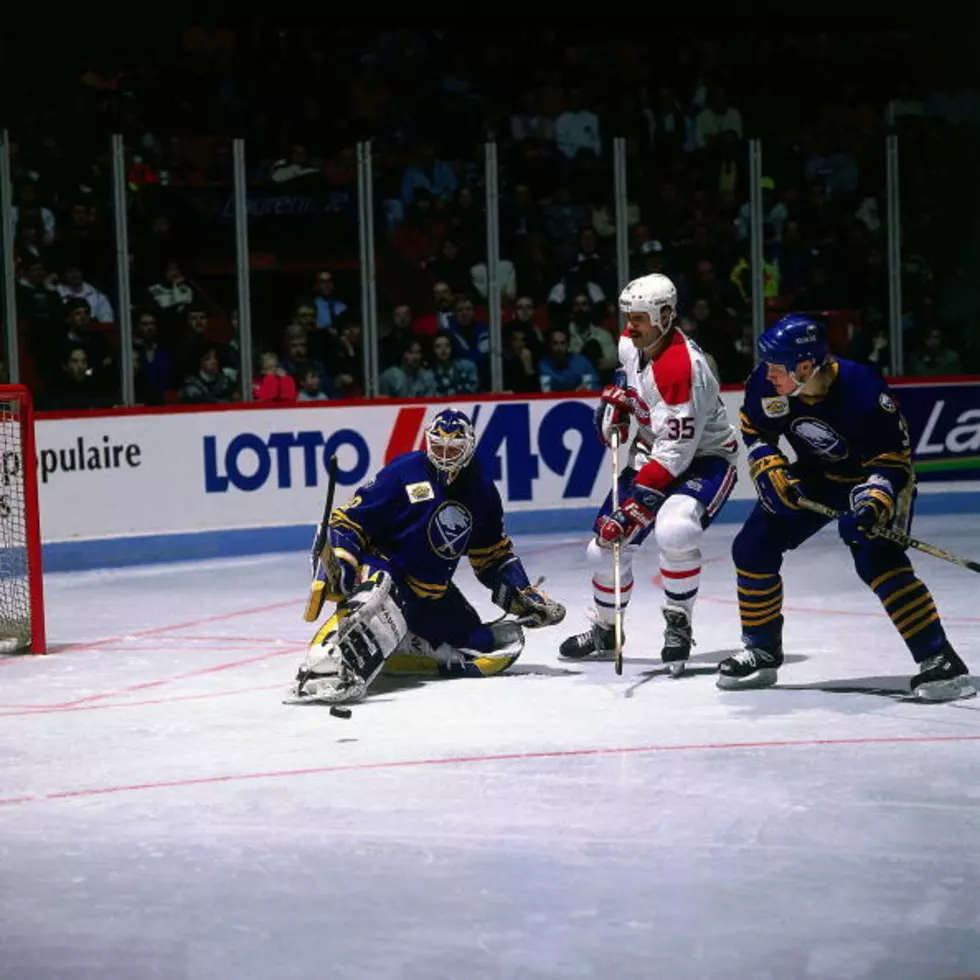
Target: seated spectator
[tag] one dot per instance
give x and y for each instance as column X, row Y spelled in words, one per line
column 527, row 319
column 330, row 311
column 454, row 375
column 506, row 280
column 393, row 334
column 430, row 324
column 935, row 359
column 583, row 335
column 347, row 364
column 210, row 384
column 197, row 330
column 74, row 286
column 563, row 371
column 79, row 333
column 76, row 386
column 470, row 338
column 172, row 295
column 310, row 384
column 296, row 351
column 157, row 362
column 26, row 209
column 570, row 284
column 520, row 363
column 272, row 384
column 409, row 379
column 39, row 303
column 870, row 346
column 144, row 392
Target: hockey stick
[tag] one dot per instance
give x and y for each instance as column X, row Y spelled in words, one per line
column 897, row 537
column 617, row 578
column 317, row 596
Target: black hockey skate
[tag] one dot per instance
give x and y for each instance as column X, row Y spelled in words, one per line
column 753, row 667
column 943, row 677
column 678, row 640
column 599, row 639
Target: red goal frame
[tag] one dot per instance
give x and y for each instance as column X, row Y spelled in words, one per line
column 32, row 512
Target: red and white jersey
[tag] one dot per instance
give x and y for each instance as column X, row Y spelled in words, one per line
column 677, row 406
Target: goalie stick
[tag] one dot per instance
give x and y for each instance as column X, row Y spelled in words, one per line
column 897, row 537
column 317, row 596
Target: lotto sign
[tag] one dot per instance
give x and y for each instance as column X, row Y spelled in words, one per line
column 540, row 453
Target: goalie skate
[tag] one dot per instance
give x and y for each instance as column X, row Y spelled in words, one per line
column 327, row 690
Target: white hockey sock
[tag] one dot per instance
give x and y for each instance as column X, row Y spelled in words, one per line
column 681, row 572
column 604, row 594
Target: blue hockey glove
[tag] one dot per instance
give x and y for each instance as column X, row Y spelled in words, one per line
column 636, row 512
column 872, row 506
column 779, row 492
column 612, row 415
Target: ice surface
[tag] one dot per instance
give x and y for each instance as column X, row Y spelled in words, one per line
column 162, row 814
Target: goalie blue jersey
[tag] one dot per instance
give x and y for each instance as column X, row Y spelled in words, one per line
column 852, row 432
column 422, row 527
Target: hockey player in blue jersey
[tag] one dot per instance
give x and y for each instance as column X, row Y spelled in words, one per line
column 853, row 454
column 387, row 559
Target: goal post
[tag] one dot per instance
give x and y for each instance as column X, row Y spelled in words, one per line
column 21, row 584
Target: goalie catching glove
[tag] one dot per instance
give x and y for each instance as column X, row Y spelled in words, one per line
column 535, row 608
column 512, row 591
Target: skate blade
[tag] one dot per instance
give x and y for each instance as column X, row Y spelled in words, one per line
column 676, row 668
column 765, row 677
column 601, row 656
column 957, row 689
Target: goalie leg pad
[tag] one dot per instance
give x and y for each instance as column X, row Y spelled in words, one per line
column 415, row 656
column 354, row 644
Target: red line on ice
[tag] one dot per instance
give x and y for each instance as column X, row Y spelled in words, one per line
column 26, row 709
column 463, row 760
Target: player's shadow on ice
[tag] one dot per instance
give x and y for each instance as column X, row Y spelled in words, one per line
column 698, row 665
column 895, row 688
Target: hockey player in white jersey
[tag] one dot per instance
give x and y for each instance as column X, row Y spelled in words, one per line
column 680, row 469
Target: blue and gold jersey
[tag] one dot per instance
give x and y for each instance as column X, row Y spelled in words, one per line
column 853, row 430
column 423, row 527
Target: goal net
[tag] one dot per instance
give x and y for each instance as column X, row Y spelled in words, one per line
column 21, row 607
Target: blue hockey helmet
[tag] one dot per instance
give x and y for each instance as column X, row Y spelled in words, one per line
column 793, row 339
column 450, row 443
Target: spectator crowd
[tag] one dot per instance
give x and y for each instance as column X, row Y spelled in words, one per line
column 553, row 103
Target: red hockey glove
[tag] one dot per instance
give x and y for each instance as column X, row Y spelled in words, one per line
column 635, row 513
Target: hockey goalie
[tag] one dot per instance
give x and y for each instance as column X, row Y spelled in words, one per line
column 387, row 560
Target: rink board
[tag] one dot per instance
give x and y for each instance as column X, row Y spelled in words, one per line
column 145, row 485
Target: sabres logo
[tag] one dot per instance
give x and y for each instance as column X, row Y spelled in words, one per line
column 449, row 530
column 820, row 437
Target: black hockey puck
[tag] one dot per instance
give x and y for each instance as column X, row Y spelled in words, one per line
column 338, row 711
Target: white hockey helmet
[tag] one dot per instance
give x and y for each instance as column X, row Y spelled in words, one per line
column 654, row 294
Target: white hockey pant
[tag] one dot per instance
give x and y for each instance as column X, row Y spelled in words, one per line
column 678, row 533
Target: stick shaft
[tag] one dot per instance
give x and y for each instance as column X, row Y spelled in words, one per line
column 617, row 573
column 897, row 537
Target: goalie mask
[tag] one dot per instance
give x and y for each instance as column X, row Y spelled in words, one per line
column 450, row 443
